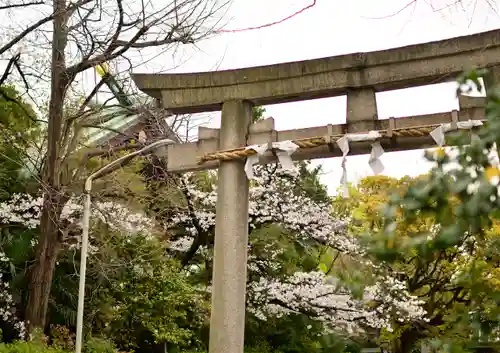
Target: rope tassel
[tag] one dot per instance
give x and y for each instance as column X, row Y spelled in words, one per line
column 438, row 134
column 343, row 180
column 284, row 150
column 374, row 161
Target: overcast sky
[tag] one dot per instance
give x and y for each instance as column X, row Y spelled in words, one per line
column 331, row 28
column 334, row 28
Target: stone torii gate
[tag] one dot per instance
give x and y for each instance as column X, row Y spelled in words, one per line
column 358, row 76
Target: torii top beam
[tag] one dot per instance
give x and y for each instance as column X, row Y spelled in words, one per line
column 383, row 70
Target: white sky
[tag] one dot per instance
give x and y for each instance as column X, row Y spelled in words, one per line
column 334, row 28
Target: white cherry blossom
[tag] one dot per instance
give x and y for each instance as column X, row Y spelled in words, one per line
column 274, row 199
column 7, row 306
column 324, row 298
column 25, row 209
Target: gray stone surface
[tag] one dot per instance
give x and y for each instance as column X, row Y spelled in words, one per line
column 227, row 322
column 327, row 77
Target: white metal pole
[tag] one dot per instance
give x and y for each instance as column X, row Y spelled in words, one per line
column 85, row 231
column 83, row 265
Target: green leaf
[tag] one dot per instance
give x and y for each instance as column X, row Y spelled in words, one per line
column 449, row 236
column 323, row 268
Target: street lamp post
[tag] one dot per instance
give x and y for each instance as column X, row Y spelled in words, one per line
column 85, row 228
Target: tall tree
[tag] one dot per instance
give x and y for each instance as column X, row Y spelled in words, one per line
column 435, row 279
column 459, row 248
column 82, row 35
column 290, row 230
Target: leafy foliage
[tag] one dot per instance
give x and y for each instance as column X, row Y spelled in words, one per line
column 18, row 138
column 451, row 242
column 313, row 284
column 38, row 344
column 151, row 299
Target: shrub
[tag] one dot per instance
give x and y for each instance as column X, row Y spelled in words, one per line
column 28, row 347
column 98, row 345
column 38, row 344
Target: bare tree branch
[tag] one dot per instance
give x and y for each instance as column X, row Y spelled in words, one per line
column 36, row 25
column 84, row 34
column 8, row 69
column 12, row 6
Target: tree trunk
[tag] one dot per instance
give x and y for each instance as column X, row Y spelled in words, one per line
column 406, row 341
column 49, row 242
column 45, row 261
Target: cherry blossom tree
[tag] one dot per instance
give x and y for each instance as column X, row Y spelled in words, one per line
column 325, row 299
column 7, row 305
column 23, row 211
column 273, row 290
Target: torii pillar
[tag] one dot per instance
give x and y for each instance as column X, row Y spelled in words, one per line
column 227, row 321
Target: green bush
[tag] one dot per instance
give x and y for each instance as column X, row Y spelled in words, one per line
column 38, row 344
column 98, row 345
column 28, row 347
